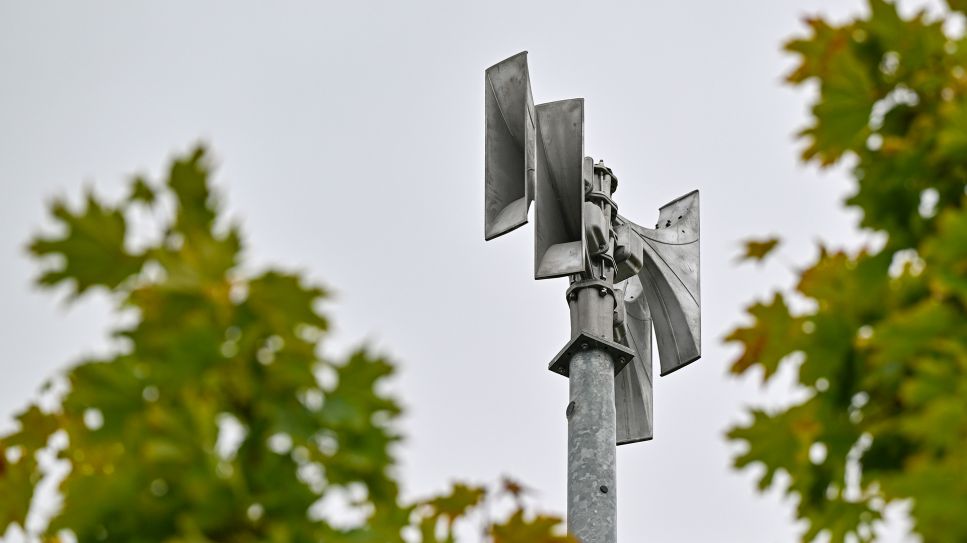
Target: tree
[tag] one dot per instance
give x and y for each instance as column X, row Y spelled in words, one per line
column 881, row 347
column 219, row 420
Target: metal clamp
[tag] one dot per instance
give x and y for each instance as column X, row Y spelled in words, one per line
column 603, row 287
column 598, row 195
column 604, row 170
column 607, row 254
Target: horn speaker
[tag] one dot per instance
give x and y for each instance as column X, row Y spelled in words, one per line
column 510, row 147
column 562, row 172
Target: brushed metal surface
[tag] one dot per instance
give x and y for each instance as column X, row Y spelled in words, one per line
column 510, row 146
column 597, row 229
column 628, row 252
column 633, row 393
column 670, row 281
column 559, row 247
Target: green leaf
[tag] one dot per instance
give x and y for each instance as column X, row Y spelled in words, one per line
column 958, row 5
column 946, row 254
column 188, row 181
column 841, row 519
column 141, row 192
column 758, row 249
column 521, row 528
column 461, row 499
column 952, row 137
column 19, row 471
column 841, row 117
column 815, row 50
column 285, row 303
column 771, row 337
column 17, row 481
column 91, row 251
column 778, row 441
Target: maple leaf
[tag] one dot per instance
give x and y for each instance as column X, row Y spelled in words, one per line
column 758, row 249
column 91, row 251
column 769, row 339
column 514, row 488
column 519, row 528
column 142, row 192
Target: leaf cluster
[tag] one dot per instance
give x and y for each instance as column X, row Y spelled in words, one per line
column 882, row 347
column 219, row 419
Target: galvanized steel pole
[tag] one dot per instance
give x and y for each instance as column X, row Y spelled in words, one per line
column 592, row 501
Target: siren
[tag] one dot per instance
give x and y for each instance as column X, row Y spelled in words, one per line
column 633, row 398
column 669, row 278
column 511, row 137
column 562, row 174
column 660, row 288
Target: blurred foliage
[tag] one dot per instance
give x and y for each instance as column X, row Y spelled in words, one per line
column 881, row 345
column 219, row 419
column 758, row 249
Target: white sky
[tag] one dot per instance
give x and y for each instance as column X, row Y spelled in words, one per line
column 350, row 143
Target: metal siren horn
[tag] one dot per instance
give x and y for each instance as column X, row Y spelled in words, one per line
column 633, row 397
column 669, row 279
column 659, row 275
column 511, row 136
column 562, row 174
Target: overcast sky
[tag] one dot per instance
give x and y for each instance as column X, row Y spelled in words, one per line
column 349, row 139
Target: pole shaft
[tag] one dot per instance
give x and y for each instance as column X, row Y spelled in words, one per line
column 592, row 501
column 591, row 494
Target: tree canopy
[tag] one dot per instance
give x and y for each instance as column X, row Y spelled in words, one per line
column 219, row 419
column 881, row 346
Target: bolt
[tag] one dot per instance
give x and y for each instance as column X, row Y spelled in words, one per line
column 621, row 360
column 603, row 291
column 584, row 346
